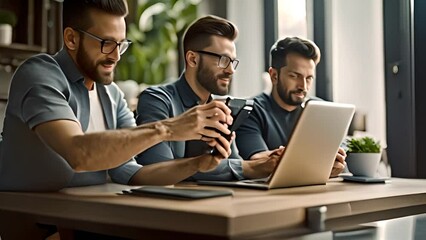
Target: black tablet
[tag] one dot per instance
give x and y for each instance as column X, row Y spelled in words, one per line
column 363, row 179
column 181, row 193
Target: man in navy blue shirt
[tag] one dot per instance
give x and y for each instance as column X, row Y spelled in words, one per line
column 210, row 61
column 292, row 72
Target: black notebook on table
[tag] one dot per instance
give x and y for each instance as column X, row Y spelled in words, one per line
column 179, row 193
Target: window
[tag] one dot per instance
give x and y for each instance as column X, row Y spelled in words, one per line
column 292, row 18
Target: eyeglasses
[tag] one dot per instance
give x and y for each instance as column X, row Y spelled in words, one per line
column 224, row 61
column 108, row 46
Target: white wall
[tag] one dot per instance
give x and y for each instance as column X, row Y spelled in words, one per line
column 248, row 16
column 356, row 33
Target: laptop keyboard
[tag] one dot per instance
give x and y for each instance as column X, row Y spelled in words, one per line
column 259, row 180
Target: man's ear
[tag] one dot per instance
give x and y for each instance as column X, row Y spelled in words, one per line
column 191, row 58
column 71, row 38
column 273, row 73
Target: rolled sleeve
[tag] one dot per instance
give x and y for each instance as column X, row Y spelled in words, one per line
column 228, row 170
column 123, row 173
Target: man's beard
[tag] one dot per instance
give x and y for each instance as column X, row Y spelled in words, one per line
column 286, row 95
column 83, row 61
column 208, row 80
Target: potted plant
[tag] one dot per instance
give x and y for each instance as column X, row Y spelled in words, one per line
column 364, row 155
column 7, row 22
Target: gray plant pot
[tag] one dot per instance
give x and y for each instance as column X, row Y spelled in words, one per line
column 363, row 164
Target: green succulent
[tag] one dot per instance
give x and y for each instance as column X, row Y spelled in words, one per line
column 7, row 17
column 363, row 145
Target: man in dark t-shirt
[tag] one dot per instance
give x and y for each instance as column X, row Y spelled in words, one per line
column 292, row 72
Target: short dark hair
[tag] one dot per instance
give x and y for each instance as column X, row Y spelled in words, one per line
column 76, row 12
column 282, row 48
column 198, row 34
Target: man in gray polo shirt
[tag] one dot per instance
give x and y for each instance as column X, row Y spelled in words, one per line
column 60, row 107
column 269, row 126
column 210, row 61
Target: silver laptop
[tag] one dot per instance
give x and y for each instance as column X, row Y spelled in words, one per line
column 311, row 150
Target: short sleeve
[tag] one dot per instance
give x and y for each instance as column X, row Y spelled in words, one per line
column 45, row 103
column 249, row 137
column 124, row 173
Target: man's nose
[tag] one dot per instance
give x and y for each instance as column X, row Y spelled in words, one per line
column 303, row 83
column 115, row 55
column 230, row 69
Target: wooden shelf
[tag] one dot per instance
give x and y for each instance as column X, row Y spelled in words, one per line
column 38, row 29
column 14, row 53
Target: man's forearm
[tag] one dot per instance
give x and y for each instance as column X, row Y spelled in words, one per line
column 117, row 146
column 248, row 171
column 168, row 172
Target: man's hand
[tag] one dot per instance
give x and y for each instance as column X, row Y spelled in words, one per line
column 262, row 164
column 269, row 153
column 202, row 122
column 221, row 145
column 209, row 162
column 339, row 163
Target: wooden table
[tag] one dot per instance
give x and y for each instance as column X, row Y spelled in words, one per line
column 249, row 214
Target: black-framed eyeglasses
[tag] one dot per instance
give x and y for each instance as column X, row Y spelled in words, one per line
column 108, row 46
column 224, row 61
